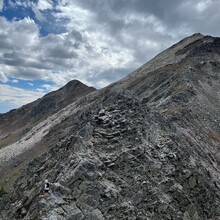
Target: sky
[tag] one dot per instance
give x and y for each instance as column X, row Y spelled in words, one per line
column 46, row 43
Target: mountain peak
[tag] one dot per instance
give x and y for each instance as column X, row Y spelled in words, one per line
column 195, row 45
column 199, row 46
column 197, row 35
column 75, row 84
column 33, row 113
column 192, row 37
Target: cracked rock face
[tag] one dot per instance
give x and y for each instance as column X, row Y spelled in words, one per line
column 146, row 147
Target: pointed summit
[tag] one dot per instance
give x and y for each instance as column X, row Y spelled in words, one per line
column 23, row 119
column 171, row 55
column 197, row 47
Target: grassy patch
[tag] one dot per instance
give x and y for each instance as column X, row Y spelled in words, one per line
column 2, row 191
column 213, row 136
column 173, row 109
column 10, row 139
column 179, row 89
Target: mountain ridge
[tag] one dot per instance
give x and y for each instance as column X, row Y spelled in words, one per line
column 160, row 60
column 145, row 147
column 36, row 111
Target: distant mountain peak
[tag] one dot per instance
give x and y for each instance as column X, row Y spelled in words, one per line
column 74, row 84
column 32, row 113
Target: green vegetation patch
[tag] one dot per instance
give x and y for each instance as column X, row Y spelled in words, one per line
column 2, row 191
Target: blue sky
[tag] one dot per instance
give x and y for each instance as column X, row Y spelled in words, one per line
column 46, row 43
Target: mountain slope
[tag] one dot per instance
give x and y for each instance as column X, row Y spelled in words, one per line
column 146, row 147
column 16, row 123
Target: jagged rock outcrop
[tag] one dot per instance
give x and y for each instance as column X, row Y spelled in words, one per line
column 146, row 147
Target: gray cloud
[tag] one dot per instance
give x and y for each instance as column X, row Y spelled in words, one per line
column 12, row 59
column 108, row 76
column 1, row 5
column 4, row 42
column 169, row 11
column 16, row 97
column 61, row 52
column 95, row 41
column 103, row 40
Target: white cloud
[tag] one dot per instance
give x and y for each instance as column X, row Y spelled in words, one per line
column 3, row 78
column 38, row 14
column 81, row 54
column 15, row 81
column 20, row 3
column 79, row 18
column 44, row 5
column 203, row 5
column 16, row 96
column 18, row 35
column 1, row 4
column 39, row 7
column 50, row 87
